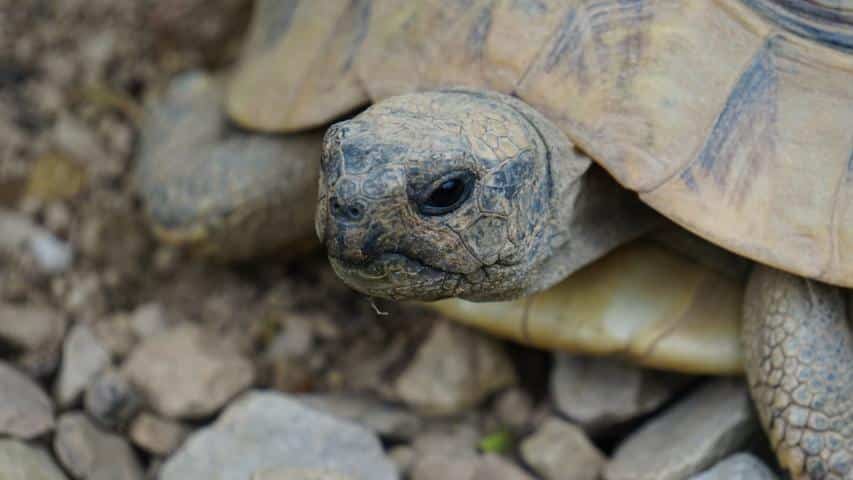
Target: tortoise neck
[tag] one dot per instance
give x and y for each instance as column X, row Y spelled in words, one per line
column 600, row 216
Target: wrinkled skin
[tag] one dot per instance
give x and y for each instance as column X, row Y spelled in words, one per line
column 527, row 223
column 519, row 178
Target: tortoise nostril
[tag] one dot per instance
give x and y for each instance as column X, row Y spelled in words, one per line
column 352, row 212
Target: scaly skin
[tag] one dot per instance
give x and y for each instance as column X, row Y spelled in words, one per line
column 799, row 353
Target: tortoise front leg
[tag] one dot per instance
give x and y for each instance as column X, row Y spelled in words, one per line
column 799, row 363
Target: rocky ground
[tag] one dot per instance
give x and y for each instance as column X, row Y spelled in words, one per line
column 121, row 358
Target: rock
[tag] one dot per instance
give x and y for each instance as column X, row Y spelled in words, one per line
column 83, row 357
column 157, row 435
column 19, row 461
column 111, row 400
column 116, row 334
column 445, row 454
column 495, row 467
column 598, row 392
column 25, row 410
column 19, row 235
column 454, row 369
column 79, row 141
column 298, row 474
column 384, row 419
column 264, row 430
column 55, row 177
column 185, row 372
column 708, row 425
column 30, row 327
column 148, row 320
column 741, row 466
column 514, row 408
column 91, row 454
column 403, row 456
column 561, row 450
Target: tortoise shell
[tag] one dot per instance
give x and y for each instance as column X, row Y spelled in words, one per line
column 734, row 118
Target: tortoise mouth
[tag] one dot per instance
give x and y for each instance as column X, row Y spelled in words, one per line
column 397, row 277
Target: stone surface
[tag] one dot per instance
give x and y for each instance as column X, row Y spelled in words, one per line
column 560, row 450
column 285, row 473
column 30, row 327
column 83, row 357
column 495, row 467
column 450, row 454
column 157, row 435
column 92, row 454
column 264, row 430
column 742, row 466
column 454, row 369
column 19, row 235
column 598, row 392
column 709, row 424
column 25, row 410
column 185, row 372
column 148, row 320
column 19, row 461
column 514, row 408
column 383, row 418
column 111, row 399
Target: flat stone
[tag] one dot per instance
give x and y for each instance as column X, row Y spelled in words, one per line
column 157, row 435
column 265, row 430
column 383, row 418
column 185, row 372
column 708, row 425
column 599, row 392
column 25, row 410
column 19, row 461
column 83, row 357
column 454, row 369
column 741, row 466
column 92, row 454
column 560, row 450
column 442, row 454
column 30, row 327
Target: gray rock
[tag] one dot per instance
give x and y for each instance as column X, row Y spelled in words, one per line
column 385, row 419
column 19, row 461
column 454, row 369
column 25, row 410
column 157, row 435
column 495, row 467
column 30, row 327
column 599, row 392
column 514, row 408
column 92, row 454
column 83, row 357
column 284, row 473
column 148, row 320
column 446, row 454
column 111, row 399
column 741, row 466
column 708, row 425
column 265, row 430
column 52, row 255
column 560, row 450
column 185, row 372
column 403, row 456
column 20, row 236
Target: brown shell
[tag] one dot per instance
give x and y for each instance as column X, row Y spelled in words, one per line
column 732, row 117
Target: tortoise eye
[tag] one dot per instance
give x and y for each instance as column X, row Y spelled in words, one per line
column 448, row 195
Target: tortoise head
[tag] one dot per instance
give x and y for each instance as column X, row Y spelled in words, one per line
column 433, row 195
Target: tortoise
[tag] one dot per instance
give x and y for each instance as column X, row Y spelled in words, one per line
column 512, row 143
